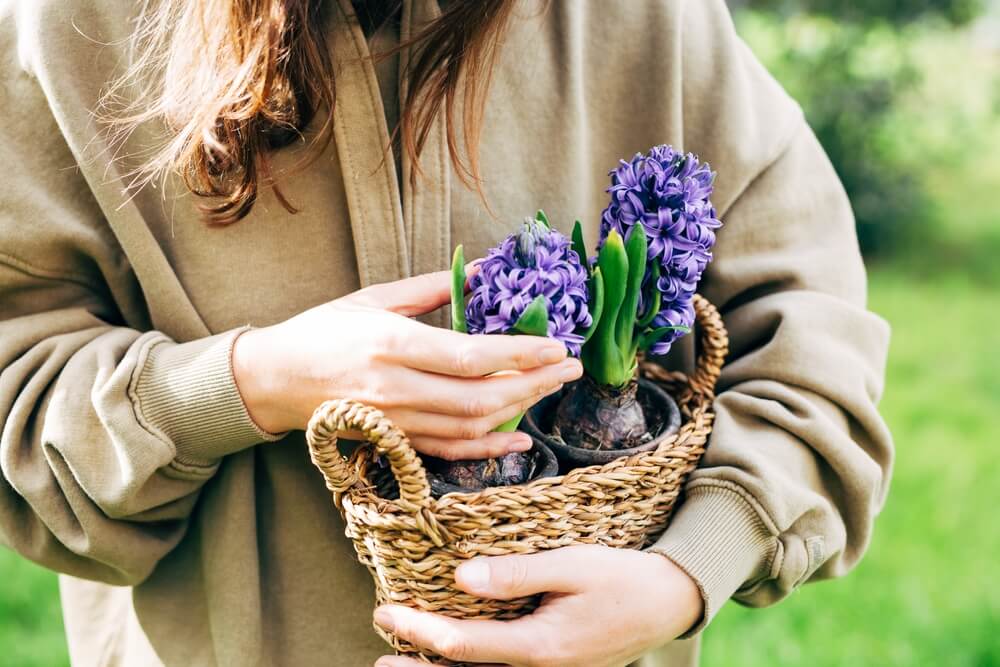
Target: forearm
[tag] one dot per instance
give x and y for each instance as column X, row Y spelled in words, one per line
column 108, row 435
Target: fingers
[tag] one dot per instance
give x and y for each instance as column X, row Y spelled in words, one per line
column 508, row 577
column 478, row 641
column 490, row 446
column 451, row 427
column 398, row 661
column 408, row 297
column 452, row 353
column 483, row 397
column 466, row 438
column 401, row 661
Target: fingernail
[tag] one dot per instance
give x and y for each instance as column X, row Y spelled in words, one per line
column 383, row 618
column 520, row 444
column 475, row 574
column 570, row 371
column 382, row 663
column 551, row 355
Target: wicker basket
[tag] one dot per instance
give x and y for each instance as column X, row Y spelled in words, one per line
column 413, row 544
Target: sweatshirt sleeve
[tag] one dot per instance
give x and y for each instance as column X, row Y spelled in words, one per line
column 107, row 429
column 798, row 464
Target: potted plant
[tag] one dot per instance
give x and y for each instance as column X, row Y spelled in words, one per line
column 656, row 238
column 636, row 294
column 532, row 283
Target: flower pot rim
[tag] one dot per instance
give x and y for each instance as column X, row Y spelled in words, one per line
column 547, row 466
column 578, row 456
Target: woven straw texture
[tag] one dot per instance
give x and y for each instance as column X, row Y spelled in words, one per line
column 413, row 544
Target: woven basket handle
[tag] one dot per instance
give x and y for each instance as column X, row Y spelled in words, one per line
column 341, row 473
column 713, row 349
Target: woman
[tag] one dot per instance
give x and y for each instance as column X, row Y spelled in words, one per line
column 194, row 253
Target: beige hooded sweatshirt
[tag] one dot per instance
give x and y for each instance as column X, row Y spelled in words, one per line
column 184, row 534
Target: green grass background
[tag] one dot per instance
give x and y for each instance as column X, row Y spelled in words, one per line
column 928, row 592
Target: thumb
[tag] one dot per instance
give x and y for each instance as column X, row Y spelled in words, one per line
column 408, row 297
column 508, row 577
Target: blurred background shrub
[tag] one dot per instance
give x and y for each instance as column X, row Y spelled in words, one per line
column 891, row 88
column 957, row 12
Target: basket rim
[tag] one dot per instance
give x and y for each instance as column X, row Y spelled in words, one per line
column 684, row 447
column 346, row 476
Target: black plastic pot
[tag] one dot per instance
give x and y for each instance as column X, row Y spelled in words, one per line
column 662, row 416
column 544, row 461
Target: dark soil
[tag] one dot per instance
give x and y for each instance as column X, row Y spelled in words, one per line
column 598, row 417
column 513, row 468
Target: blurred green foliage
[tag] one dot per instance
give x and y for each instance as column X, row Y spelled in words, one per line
column 31, row 627
column 957, row 12
column 858, row 71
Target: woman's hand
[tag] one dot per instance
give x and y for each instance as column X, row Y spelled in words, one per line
column 603, row 607
column 446, row 390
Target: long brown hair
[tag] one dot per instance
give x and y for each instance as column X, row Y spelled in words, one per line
column 232, row 80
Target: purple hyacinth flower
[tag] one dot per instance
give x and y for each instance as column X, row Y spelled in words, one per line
column 667, row 194
column 534, row 262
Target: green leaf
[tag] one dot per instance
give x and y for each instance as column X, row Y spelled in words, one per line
column 651, row 338
column 634, row 367
column 510, row 425
column 654, row 307
column 458, row 322
column 596, row 305
column 635, row 250
column 602, row 358
column 542, row 218
column 534, row 321
column 580, row 247
column 613, row 263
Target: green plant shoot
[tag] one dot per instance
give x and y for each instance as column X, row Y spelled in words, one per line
column 620, row 331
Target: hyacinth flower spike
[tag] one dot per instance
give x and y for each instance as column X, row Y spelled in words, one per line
column 656, row 239
column 533, row 321
column 534, row 283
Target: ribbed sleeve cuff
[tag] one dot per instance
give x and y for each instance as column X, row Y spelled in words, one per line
column 717, row 538
column 187, row 394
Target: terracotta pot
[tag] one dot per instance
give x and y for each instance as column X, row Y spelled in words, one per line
column 662, row 415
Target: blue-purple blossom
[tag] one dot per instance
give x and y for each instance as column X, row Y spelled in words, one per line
column 536, row 261
column 667, row 194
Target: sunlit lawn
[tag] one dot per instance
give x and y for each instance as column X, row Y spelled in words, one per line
column 31, row 632
column 926, row 594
